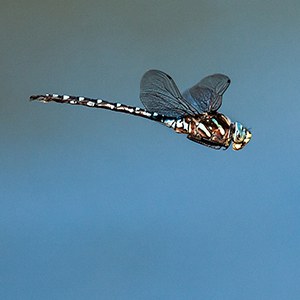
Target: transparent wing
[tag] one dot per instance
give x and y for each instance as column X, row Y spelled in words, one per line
column 206, row 96
column 159, row 93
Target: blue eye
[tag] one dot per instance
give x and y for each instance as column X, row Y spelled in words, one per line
column 239, row 134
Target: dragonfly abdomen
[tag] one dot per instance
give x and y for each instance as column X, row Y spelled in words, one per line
column 99, row 103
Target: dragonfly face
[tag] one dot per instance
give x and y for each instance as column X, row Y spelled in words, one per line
column 240, row 137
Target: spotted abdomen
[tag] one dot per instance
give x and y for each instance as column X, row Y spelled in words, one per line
column 97, row 103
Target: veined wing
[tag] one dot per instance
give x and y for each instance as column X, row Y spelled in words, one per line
column 206, row 96
column 159, row 93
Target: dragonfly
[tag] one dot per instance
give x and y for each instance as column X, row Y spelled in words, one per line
column 193, row 112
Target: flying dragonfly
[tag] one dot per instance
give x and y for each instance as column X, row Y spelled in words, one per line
column 193, row 112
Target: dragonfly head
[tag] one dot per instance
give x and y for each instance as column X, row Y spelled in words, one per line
column 241, row 136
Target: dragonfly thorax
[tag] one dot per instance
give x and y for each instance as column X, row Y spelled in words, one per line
column 213, row 130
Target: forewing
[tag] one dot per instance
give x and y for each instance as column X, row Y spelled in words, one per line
column 159, row 93
column 206, row 96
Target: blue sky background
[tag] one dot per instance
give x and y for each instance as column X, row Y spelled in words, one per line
column 100, row 205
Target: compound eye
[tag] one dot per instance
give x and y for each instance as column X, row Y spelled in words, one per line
column 239, row 137
column 240, row 133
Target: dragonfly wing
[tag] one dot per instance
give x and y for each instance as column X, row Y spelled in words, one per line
column 206, row 96
column 159, row 93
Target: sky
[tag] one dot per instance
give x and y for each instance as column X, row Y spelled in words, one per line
column 102, row 205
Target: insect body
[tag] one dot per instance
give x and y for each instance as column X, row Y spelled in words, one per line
column 193, row 113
